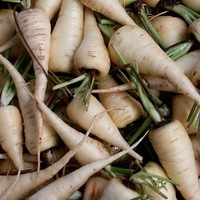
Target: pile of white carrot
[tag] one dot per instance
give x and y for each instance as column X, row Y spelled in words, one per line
column 72, row 114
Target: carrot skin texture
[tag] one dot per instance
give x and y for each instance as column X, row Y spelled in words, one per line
column 157, row 169
column 71, row 137
column 65, row 186
column 30, row 181
column 26, row 105
column 92, row 53
column 174, row 149
column 66, row 36
column 111, row 9
column 115, row 189
column 50, row 8
column 104, row 129
column 128, row 109
column 150, row 58
column 178, row 103
column 94, row 187
column 35, row 27
column 11, row 133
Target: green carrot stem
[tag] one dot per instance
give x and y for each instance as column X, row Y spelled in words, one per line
column 178, row 50
column 12, row 1
column 150, row 28
column 118, row 170
column 144, row 175
column 188, row 14
column 88, row 91
column 83, row 84
column 8, row 92
column 108, row 31
column 72, row 81
column 145, row 125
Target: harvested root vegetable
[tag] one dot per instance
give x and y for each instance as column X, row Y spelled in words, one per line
column 64, row 40
column 33, row 180
column 143, row 54
column 11, row 134
column 34, row 29
column 174, row 149
column 125, row 109
column 94, row 187
column 194, row 28
column 27, row 106
column 115, row 189
column 51, row 8
column 104, row 128
column 178, row 103
column 169, row 190
column 62, row 188
column 92, row 55
column 71, row 137
column 187, row 62
column 177, row 26
column 111, row 9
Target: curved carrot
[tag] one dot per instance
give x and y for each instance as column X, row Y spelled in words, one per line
column 66, row 36
column 174, row 149
column 34, row 28
column 104, row 128
column 149, row 57
column 111, row 9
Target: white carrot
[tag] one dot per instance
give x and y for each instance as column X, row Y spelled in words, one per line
column 175, row 152
column 111, row 9
column 7, row 167
column 188, row 61
column 149, row 57
column 11, row 134
column 71, row 137
column 28, row 182
column 66, row 36
column 65, row 186
column 194, row 28
column 158, row 84
column 94, row 187
column 27, row 106
column 115, row 189
column 51, row 8
column 181, row 107
column 92, row 55
column 104, row 129
column 34, row 28
column 124, row 108
column 169, row 190
column 178, row 27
